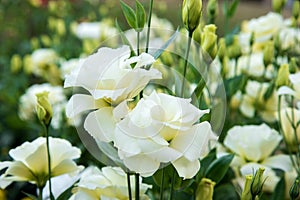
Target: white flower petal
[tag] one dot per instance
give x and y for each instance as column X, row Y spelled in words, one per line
column 101, row 124
column 282, row 162
column 185, row 168
column 142, row 164
column 285, row 90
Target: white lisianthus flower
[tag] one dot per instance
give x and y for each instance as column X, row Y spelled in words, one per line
column 290, row 118
column 294, row 90
column 253, row 146
column 162, row 129
column 108, row 183
column 41, row 58
column 253, row 101
column 57, row 99
column 252, row 65
column 289, row 39
column 31, row 164
column 68, row 66
column 264, row 28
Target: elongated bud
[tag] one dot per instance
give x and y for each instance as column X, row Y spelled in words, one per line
column 212, row 11
column 16, row 63
column 246, row 194
column 43, row 108
column 283, row 75
column 234, row 50
column 191, row 14
column 293, row 65
column 268, row 53
column 205, row 189
column 278, row 5
column 296, row 9
column 294, row 191
column 257, row 182
column 222, row 48
column 209, row 40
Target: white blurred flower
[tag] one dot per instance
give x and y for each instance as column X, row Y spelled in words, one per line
column 94, row 30
column 109, row 183
column 289, row 39
column 253, row 101
column 252, row 65
column 31, row 164
column 253, row 146
column 161, row 129
column 41, row 59
column 68, row 66
column 294, row 90
column 290, row 118
column 28, row 102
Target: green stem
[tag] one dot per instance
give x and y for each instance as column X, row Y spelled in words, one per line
column 162, row 184
column 186, row 61
column 172, row 185
column 138, row 43
column 40, row 191
column 149, row 25
column 137, row 187
column 49, row 161
column 129, row 186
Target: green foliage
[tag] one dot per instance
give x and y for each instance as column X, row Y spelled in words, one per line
column 280, row 190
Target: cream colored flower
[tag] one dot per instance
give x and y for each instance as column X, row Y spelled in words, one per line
column 253, row 101
column 253, row 146
column 162, row 129
column 294, row 90
column 94, row 30
column 289, row 39
column 252, row 65
column 109, row 183
column 28, row 102
column 31, row 164
column 290, row 118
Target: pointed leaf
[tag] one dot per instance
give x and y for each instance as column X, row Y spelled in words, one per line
column 280, row 190
column 205, row 162
column 140, row 16
column 218, row 168
column 232, row 8
column 129, row 15
column 269, row 91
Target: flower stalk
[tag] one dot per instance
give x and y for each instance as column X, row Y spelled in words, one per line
column 129, row 186
column 149, row 25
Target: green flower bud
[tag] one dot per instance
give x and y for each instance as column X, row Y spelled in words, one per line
column 222, row 48
column 209, row 40
column 246, row 194
column 15, row 63
column 191, row 14
column 212, row 10
column 283, row 75
column 296, row 9
column 234, row 50
column 268, row 53
column 205, row 189
column 278, row 5
column 257, row 182
column 293, row 65
column 197, row 35
column 294, row 190
column 43, row 108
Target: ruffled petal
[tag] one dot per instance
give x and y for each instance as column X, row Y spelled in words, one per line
column 142, row 164
column 185, row 168
column 282, row 162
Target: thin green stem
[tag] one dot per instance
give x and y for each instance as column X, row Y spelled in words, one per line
column 149, row 25
column 137, row 186
column 172, row 185
column 129, row 186
column 186, row 61
column 138, row 43
column 162, row 184
column 40, row 191
column 49, row 161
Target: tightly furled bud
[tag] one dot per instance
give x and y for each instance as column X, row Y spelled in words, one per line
column 205, row 189
column 257, row 182
column 283, row 75
column 278, row 5
column 16, row 63
column 246, row 194
column 296, row 9
column 212, row 11
column 44, row 108
column 222, row 48
column 268, row 53
column 209, row 40
column 234, row 50
column 191, row 14
column 294, row 191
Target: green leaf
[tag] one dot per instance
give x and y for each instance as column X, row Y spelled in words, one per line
column 205, row 162
column 225, row 192
column 124, row 38
column 218, row 168
column 129, row 15
column 232, row 8
column 232, row 85
column 279, row 192
column 30, row 196
column 198, row 91
column 269, row 91
column 140, row 16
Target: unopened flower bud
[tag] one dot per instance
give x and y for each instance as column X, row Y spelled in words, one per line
column 15, row 63
column 268, row 53
column 257, row 182
column 293, row 65
column 205, row 189
column 234, row 50
column 246, row 194
column 197, row 35
column 43, row 108
column 294, row 191
column 191, row 14
column 212, row 11
column 296, row 9
column 278, row 5
column 222, row 48
column 283, row 75
column 209, row 40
